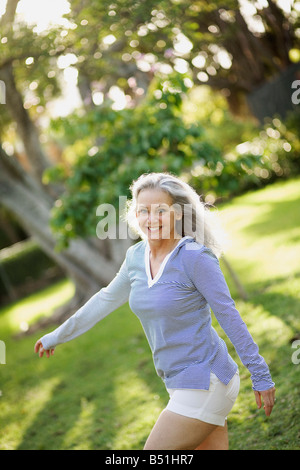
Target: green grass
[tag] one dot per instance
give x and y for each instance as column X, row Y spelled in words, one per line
column 100, row 391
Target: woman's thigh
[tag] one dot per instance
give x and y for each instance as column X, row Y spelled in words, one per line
column 176, row 432
column 217, row 440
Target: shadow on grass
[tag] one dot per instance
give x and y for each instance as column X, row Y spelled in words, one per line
column 282, row 216
column 282, row 303
column 88, row 407
column 250, row 429
column 85, row 409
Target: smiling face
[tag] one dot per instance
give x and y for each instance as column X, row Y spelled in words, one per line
column 155, row 214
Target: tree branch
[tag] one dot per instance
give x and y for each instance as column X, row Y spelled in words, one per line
column 10, row 12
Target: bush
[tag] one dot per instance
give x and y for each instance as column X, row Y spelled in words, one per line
column 22, row 263
column 252, row 155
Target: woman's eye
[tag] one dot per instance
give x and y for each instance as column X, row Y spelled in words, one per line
column 145, row 211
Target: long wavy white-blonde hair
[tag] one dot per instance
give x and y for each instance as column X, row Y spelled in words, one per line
column 197, row 221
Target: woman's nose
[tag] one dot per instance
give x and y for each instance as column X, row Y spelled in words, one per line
column 152, row 217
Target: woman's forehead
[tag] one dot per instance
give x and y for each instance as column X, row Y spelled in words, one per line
column 149, row 196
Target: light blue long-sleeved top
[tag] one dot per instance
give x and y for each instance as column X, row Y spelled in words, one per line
column 174, row 310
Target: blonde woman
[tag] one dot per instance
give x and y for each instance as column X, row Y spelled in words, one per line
column 172, row 279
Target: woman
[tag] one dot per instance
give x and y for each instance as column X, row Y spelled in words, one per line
column 172, row 278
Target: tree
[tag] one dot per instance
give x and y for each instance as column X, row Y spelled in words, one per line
column 127, row 44
column 149, row 137
column 89, row 262
column 224, row 47
column 23, row 193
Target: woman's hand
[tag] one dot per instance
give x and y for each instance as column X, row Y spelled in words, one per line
column 38, row 348
column 268, row 397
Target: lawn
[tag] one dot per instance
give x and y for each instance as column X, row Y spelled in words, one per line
column 100, row 391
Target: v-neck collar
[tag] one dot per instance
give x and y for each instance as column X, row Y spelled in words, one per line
column 152, row 281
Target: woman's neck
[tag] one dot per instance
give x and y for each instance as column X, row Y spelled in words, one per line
column 160, row 248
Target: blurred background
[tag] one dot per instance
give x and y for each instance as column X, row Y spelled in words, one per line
column 95, row 93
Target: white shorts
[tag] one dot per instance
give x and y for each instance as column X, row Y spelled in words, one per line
column 211, row 406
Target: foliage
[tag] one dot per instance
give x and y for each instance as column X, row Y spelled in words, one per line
column 111, row 43
column 111, row 148
column 253, row 155
column 34, row 59
column 23, row 262
column 219, row 47
column 211, row 110
column 277, row 146
column 136, row 46
column 106, row 149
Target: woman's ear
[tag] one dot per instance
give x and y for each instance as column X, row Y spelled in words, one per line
column 178, row 211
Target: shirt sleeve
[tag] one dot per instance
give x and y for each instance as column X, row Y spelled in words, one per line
column 210, row 282
column 95, row 309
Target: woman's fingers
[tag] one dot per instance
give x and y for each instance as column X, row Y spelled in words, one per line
column 38, row 348
column 268, row 397
column 257, row 399
column 269, row 400
column 49, row 352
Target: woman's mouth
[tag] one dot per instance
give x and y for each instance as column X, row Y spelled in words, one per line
column 154, row 230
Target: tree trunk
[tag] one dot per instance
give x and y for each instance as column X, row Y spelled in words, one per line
column 85, row 262
column 25, row 127
column 90, row 264
column 9, row 15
